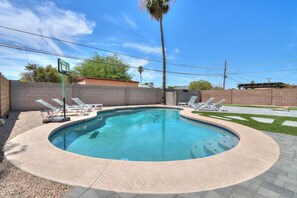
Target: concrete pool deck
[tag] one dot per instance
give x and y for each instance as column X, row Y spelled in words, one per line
column 255, row 153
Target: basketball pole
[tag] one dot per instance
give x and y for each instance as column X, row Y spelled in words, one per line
column 63, row 94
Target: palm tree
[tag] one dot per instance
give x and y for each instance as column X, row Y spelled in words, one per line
column 156, row 9
column 140, row 70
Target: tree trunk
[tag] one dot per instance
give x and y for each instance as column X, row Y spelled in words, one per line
column 163, row 101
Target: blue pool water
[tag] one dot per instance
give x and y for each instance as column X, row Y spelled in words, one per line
column 146, row 134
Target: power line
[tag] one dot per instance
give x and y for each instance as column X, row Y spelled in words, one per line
column 268, row 79
column 241, row 77
column 235, row 80
column 85, row 59
column 105, row 50
column 261, row 72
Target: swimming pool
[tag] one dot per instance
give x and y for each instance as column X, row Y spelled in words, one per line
column 144, row 134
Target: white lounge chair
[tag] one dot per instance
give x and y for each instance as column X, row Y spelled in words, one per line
column 82, row 108
column 204, row 105
column 52, row 110
column 218, row 104
column 80, row 102
column 190, row 103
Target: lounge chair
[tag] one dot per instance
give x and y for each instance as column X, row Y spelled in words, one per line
column 204, row 105
column 190, row 103
column 52, row 109
column 218, row 104
column 79, row 102
column 82, row 108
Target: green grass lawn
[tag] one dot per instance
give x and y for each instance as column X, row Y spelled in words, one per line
column 276, row 126
column 293, row 108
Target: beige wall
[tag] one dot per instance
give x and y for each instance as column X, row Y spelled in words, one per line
column 107, row 82
column 279, row 97
column 24, row 95
column 4, row 96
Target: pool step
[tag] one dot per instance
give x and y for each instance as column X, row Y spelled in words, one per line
column 206, row 147
column 213, row 147
column 197, row 149
column 227, row 143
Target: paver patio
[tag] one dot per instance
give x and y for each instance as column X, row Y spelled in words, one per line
column 279, row 181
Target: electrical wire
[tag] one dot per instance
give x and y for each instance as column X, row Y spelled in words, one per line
column 17, row 47
column 105, row 50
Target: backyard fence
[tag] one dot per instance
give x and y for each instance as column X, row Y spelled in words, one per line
column 278, row 97
column 4, row 96
column 24, row 95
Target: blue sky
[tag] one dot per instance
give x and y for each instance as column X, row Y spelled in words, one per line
column 258, row 38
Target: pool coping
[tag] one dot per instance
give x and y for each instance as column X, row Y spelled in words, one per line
column 255, row 153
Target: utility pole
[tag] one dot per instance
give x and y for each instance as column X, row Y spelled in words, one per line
column 268, row 79
column 225, row 75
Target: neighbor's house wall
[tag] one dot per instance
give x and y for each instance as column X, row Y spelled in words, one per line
column 4, row 96
column 107, row 82
column 24, row 95
column 279, row 97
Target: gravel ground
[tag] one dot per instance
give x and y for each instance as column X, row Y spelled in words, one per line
column 13, row 181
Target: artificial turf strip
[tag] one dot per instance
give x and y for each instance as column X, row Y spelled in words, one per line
column 276, row 126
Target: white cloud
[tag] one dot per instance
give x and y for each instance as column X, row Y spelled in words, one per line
column 143, row 48
column 176, row 50
column 129, row 21
column 45, row 18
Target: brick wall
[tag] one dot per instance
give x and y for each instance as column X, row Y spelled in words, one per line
column 278, row 97
column 24, row 95
column 217, row 94
column 4, row 96
column 285, row 97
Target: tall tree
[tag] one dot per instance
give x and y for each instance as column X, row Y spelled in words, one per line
column 140, row 70
column 156, row 9
column 37, row 73
column 109, row 67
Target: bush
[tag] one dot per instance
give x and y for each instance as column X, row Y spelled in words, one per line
column 2, row 122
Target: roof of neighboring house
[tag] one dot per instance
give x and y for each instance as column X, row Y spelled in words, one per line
column 262, row 85
column 95, row 78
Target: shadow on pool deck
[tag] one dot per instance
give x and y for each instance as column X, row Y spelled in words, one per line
column 6, row 130
column 13, row 181
column 279, row 181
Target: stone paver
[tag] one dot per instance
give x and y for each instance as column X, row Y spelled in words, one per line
column 279, row 181
column 290, row 123
column 263, row 120
column 236, row 118
column 219, row 117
